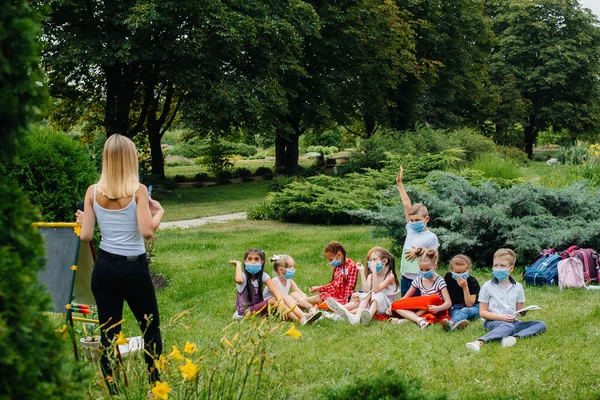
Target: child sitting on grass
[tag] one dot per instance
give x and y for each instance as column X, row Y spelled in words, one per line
column 417, row 236
column 343, row 278
column 380, row 288
column 293, row 298
column 500, row 300
column 434, row 302
column 463, row 290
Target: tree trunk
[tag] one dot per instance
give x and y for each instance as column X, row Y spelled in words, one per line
column 280, row 144
column 291, row 156
column 158, row 162
column 119, row 95
column 369, row 122
column 529, row 133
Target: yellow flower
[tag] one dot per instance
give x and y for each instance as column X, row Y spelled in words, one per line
column 293, row 332
column 161, row 390
column 188, row 371
column 175, row 354
column 227, row 342
column 161, row 363
column 189, row 348
column 121, row 339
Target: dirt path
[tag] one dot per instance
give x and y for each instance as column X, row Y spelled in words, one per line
column 192, row 223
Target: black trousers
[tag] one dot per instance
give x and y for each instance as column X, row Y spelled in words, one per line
column 116, row 279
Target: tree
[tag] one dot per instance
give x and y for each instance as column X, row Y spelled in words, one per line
column 548, row 51
column 31, row 353
column 451, row 86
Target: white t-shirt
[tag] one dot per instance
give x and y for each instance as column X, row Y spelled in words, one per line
column 425, row 240
column 241, row 286
column 501, row 301
column 267, row 294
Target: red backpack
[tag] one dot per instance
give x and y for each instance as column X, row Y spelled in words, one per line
column 590, row 260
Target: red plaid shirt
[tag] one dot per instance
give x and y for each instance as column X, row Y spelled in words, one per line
column 343, row 283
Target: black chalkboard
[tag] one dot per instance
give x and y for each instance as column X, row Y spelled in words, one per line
column 63, row 250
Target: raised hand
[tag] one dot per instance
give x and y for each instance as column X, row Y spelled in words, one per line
column 399, row 176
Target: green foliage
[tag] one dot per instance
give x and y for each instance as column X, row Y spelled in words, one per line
column 192, row 148
column 477, row 220
column 54, row 171
column 244, row 150
column 332, row 137
column 328, row 200
column 566, row 175
column 550, row 136
column 263, row 171
column 323, row 150
column 514, row 154
column 494, row 166
column 242, row 172
column 574, row 155
column 388, row 385
column 217, row 157
column 201, row 177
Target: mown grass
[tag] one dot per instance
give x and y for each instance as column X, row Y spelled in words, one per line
column 189, row 171
column 560, row 363
column 191, row 203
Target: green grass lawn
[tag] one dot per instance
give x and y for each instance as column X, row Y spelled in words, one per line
column 190, row 171
column 191, row 203
column 560, row 363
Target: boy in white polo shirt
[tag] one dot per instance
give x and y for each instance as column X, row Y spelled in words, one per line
column 500, row 300
column 417, row 237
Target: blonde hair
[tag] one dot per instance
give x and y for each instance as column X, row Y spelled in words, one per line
column 120, row 176
column 461, row 259
column 279, row 261
column 429, row 255
column 508, row 254
column 418, row 209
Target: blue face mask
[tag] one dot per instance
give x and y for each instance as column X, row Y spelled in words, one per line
column 417, row 226
column 289, row 273
column 378, row 266
column 427, row 274
column 464, row 275
column 253, row 268
column 501, row 274
column 335, row 262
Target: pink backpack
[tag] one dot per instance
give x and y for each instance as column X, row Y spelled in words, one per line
column 570, row 273
column 590, row 260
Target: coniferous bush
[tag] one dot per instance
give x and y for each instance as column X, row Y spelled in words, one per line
column 54, row 171
column 477, row 220
column 32, row 355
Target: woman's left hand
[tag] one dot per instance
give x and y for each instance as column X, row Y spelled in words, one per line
column 79, row 217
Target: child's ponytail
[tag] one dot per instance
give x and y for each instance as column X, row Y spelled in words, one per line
column 427, row 255
column 280, row 261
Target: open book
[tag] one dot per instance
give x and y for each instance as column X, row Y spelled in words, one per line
column 528, row 308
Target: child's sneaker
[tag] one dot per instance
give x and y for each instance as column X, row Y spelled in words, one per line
column 447, row 325
column 474, row 346
column 342, row 311
column 423, row 323
column 365, row 317
column 462, row 324
column 509, row 341
column 312, row 318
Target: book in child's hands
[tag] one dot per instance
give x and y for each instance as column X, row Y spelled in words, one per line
column 528, row 308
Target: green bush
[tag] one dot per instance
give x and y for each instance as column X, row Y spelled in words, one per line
column 323, row 150
column 574, row 155
column 330, row 199
column 244, row 150
column 242, row 172
column 493, row 166
column 262, row 171
column 388, row 385
column 201, row 177
column 472, row 142
column 32, row 356
column 179, row 178
column 192, row 148
column 514, row 154
column 477, row 220
column 54, row 171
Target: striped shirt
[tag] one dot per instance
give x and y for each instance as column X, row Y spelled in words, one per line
column 438, row 284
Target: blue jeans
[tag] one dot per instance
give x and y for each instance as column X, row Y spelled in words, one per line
column 501, row 329
column 405, row 284
column 459, row 312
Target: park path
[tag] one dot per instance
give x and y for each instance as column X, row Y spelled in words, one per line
column 192, row 223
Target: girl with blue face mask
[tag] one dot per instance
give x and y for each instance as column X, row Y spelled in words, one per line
column 433, row 303
column 464, row 291
column 293, row 298
column 250, row 278
column 380, row 287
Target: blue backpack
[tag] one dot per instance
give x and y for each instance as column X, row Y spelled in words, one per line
column 543, row 271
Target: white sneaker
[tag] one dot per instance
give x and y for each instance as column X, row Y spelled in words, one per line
column 333, row 316
column 509, row 341
column 342, row 311
column 474, row 346
column 311, row 318
column 365, row 317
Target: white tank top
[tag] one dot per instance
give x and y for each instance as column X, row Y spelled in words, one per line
column 267, row 294
column 119, row 228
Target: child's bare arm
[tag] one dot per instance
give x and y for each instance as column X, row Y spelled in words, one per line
column 239, row 273
column 518, row 307
column 469, row 298
column 403, row 195
column 446, row 305
column 486, row 314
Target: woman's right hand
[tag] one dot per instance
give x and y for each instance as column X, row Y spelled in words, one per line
column 79, row 217
column 154, row 206
column 314, row 289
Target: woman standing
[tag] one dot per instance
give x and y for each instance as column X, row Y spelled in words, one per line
column 126, row 215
